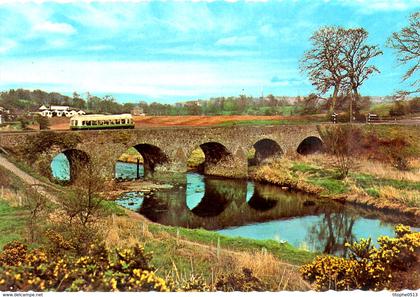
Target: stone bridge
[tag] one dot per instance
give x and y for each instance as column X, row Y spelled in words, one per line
column 167, row 149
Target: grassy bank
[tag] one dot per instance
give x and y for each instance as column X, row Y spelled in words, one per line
column 397, row 191
column 12, row 222
column 181, row 254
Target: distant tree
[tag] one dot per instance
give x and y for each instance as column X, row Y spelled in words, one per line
column 23, row 122
column 323, row 62
column 406, row 43
column 398, row 109
column 414, row 105
column 78, row 102
column 43, row 122
column 310, row 104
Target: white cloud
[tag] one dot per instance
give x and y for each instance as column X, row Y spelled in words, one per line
column 236, row 41
column 7, row 45
column 50, row 27
column 368, row 6
column 154, row 79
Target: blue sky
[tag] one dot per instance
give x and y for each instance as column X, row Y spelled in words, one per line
column 176, row 51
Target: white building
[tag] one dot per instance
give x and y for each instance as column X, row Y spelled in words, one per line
column 59, row 111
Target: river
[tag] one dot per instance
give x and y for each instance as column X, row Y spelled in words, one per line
column 248, row 209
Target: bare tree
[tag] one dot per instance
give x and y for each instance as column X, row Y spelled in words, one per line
column 38, row 207
column 342, row 142
column 83, row 204
column 339, row 59
column 356, row 55
column 323, row 62
column 407, row 45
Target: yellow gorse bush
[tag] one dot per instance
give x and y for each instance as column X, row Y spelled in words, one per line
column 99, row 270
column 367, row 267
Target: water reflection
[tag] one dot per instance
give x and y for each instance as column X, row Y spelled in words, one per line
column 260, row 211
column 260, row 200
column 333, row 231
column 127, row 171
column 60, row 167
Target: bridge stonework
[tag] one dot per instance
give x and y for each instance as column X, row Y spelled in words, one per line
column 176, row 144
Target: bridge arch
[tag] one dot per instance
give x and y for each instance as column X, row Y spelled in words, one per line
column 207, row 156
column 265, row 149
column 310, row 145
column 150, row 156
column 66, row 165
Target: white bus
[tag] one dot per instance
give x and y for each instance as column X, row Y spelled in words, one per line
column 100, row 121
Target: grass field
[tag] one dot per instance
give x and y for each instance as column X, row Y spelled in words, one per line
column 12, row 223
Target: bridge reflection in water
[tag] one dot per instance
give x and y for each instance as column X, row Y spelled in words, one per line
column 260, row 211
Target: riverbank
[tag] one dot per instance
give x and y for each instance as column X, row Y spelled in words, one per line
column 373, row 184
column 180, row 255
column 184, row 254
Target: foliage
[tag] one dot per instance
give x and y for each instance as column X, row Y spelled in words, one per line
column 13, row 253
column 44, row 122
column 399, row 109
column 402, row 107
column 195, row 283
column 24, row 122
column 394, row 149
column 99, row 270
column 21, row 99
column 245, row 282
column 367, row 268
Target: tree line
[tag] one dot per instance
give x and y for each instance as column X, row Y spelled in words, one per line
column 26, row 100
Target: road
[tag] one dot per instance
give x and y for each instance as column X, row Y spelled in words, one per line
column 28, row 179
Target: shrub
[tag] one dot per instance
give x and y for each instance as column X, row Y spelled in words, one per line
column 414, row 105
column 343, row 142
column 367, row 267
column 195, row 283
column 99, row 270
column 245, row 282
column 13, row 253
column 399, row 108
